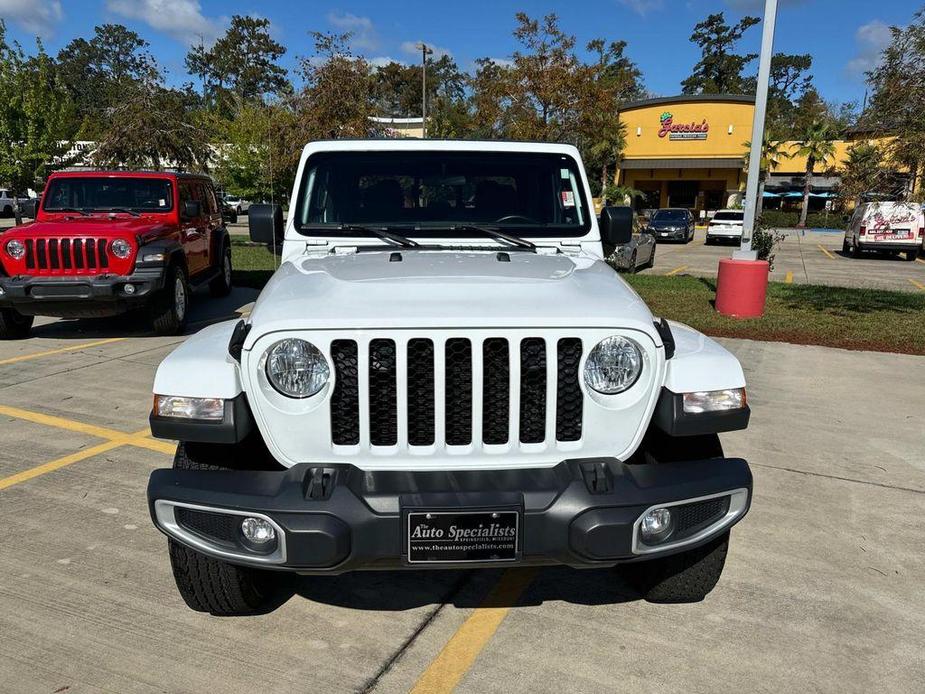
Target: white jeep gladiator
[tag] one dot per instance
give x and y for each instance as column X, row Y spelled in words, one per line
column 444, row 373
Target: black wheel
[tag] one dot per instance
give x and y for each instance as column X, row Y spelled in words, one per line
column 845, row 248
column 708, row 241
column 685, row 577
column 211, row 585
column 170, row 308
column 14, row 325
column 7, row 211
column 651, row 263
column 912, row 255
column 221, row 285
column 855, row 250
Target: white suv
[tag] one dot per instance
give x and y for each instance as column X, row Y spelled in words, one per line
column 726, row 225
column 444, row 373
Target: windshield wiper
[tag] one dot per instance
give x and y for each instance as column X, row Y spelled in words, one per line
column 68, row 209
column 380, row 232
column 123, row 209
column 496, row 234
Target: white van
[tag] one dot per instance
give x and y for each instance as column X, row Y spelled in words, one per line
column 726, row 225
column 893, row 227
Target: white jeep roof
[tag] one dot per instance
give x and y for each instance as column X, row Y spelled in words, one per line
column 417, row 145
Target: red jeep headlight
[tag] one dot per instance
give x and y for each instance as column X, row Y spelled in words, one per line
column 121, row 249
column 15, row 249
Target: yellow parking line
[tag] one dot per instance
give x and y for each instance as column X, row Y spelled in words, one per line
column 59, row 463
column 62, row 423
column 676, row 270
column 73, row 348
column 460, row 652
column 919, row 260
column 918, row 285
column 824, row 250
column 788, row 279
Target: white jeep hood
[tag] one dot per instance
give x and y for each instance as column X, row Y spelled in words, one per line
column 446, row 289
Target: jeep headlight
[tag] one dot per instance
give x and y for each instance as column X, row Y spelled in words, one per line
column 296, row 368
column 15, row 249
column 121, row 249
column 613, row 365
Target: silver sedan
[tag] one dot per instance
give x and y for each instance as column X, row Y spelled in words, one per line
column 638, row 253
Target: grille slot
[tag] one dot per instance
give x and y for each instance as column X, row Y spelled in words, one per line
column 496, row 391
column 420, row 392
column 219, row 527
column 383, row 400
column 77, row 255
column 345, row 400
column 532, row 390
column 692, row 518
column 458, row 392
column 569, row 401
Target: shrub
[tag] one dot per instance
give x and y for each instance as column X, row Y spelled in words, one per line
column 765, row 243
column 789, row 219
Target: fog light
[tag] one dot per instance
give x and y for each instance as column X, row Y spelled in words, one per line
column 130, row 289
column 258, row 531
column 656, row 526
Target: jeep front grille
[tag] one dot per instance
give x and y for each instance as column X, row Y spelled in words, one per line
column 79, row 256
column 456, row 392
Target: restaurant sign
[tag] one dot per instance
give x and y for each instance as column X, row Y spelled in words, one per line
column 682, row 131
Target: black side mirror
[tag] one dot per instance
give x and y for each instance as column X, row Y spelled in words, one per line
column 191, row 209
column 265, row 223
column 616, row 227
column 30, row 208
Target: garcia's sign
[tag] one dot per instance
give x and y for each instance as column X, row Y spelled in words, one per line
column 682, row 131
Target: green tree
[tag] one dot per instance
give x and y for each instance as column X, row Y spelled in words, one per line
column 98, row 72
column 154, row 127
column 897, row 104
column 398, row 86
column 772, row 153
column 819, row 149
column 35, row 112
column 243, row 64
column 719, row 70
column 863, row 172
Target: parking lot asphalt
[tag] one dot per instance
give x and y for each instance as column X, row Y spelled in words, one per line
column 810, row 257
column 822, row 588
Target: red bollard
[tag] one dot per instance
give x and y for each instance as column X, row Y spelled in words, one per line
column 741, row 287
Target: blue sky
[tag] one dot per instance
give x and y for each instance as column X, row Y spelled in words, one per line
column 844, row 36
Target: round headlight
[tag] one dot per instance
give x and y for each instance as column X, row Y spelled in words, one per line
column 16, row 249
column 613, row 365
column 121, row 249
column 296, row 368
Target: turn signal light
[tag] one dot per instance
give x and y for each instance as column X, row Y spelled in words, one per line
column 863, row 230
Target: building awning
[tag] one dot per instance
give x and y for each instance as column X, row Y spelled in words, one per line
column 705, row 163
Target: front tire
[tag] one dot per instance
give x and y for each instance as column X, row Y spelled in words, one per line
column 170, row 309
column 685, row 577
column 14, row 325
column 207, row 584
column 221, row 285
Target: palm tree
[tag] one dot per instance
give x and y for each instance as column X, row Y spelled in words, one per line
column 818, row 148
column 772, row 153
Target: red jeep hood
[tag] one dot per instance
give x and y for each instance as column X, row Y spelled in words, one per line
column 121, row 226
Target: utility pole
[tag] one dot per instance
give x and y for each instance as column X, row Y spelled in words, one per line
column 754, row 158
column 425, row 51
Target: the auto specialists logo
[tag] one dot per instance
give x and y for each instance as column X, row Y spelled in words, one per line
column 682, row 131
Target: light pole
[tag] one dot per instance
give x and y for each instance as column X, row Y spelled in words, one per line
column 745, row 251
column 425, row 51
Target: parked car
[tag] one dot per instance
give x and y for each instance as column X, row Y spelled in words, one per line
column 672, row 224
column 638, row 253
column 726, row 225
column 109, row 242
column 887, row 227
column 238, row 204
column 7, row 201
column 450, row 379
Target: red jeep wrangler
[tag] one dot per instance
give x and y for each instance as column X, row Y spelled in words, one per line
column 109, row 242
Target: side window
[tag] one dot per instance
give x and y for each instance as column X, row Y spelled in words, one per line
column 186, row 192
column 211, row 205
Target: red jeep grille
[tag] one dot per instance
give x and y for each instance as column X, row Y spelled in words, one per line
column 79, row 256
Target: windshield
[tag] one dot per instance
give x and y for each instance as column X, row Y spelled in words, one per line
column 670, row 216
column 729, row 216
column 105, row 193
column 424, row 193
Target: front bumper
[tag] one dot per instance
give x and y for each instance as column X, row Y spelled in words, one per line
column 78, row 296
column 338, row 518
column 669, row 235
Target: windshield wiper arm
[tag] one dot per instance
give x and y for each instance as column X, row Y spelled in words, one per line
column 124, row 209
column 496, row 234
column 68, row 209
column 380, row 232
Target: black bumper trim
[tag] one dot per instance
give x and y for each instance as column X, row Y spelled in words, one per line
column 237, row 423
column 671, row 418
column 563, row 520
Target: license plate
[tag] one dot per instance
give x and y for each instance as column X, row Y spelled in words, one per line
column 901, row 233
column 436, row 537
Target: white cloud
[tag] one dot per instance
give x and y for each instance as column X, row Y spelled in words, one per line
column 363, row 33
column 383, row 60
column 413, row 48
column 35, row 16
column 181, row 19
column 642, row 7
column 870, row 39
